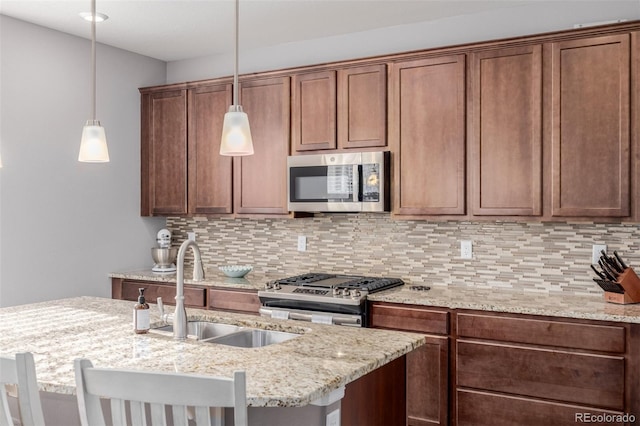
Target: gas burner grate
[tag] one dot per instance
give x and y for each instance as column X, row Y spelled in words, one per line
column 305, row 279
column 372, row 284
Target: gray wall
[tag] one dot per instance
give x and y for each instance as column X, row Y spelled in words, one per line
column 65, row 225
column 544, row 16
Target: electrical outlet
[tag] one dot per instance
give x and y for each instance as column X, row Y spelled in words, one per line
column 333, row 418
column 595, row 252
column 191, row 236
column 466, row 249
column 302, row 243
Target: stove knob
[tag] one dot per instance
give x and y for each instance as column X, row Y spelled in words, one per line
column 355, row 294
column 346, row 293
column 276, row 286
column 337, row 292
column 268, row 286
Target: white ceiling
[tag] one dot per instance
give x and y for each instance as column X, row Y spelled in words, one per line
column 179, row 29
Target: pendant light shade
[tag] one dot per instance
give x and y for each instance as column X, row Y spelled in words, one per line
column 93, row 146
column 236, row 133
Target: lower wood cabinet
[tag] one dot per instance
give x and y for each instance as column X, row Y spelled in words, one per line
column 479, row 408
column 203, row 297
column 525, row 370
column 427, row 369
column 483, row 368
column 234, row 300
column 376, row 399
column 194, row 297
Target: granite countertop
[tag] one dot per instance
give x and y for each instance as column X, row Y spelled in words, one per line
column 591, row 307
column 293, row 373
column 493, row 299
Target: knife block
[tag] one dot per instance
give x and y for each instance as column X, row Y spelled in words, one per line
column 631, row 284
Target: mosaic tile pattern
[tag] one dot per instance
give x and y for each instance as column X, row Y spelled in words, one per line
column 536, row 257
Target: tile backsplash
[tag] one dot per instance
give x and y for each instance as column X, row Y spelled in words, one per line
column 535, row 257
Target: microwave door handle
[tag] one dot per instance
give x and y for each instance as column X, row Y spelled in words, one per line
column 355, row 183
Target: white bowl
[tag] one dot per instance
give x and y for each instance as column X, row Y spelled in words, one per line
column 236, row 271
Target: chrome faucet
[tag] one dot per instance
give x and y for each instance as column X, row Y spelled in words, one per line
column 180, row 316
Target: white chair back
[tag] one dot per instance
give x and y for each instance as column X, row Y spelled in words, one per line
column 188, row 395
column 20, row 371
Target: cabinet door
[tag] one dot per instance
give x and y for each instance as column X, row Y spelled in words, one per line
column 164, row 153
column 427, row 131
column 260, row 180
column 479, row 408
column 123, row 289
column 362, row 107
column 590, row 140
column 210, row 174
column 505, row 131
column 314, row 111
column 234, row 300
column 427, row 383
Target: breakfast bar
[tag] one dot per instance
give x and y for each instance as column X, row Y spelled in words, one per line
column 310, row 370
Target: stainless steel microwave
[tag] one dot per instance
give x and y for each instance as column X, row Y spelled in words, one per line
column 340, row 182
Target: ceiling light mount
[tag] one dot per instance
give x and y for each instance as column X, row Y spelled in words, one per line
column 88, row 16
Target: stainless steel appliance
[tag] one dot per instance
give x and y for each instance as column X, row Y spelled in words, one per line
column 322, row 298
column 164, row 256
column 339, row 182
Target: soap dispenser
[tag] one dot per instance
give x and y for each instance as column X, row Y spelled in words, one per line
column 141, row 320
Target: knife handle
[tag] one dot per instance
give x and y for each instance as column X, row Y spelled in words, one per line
column 606, row 270
column 598, row 273
column 624, row 266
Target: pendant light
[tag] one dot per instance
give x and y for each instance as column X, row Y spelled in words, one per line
column 93, row 146
column 236, row 134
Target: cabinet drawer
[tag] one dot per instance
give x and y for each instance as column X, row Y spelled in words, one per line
column 405, row 318
column 551, row 374
column 487, row 409
column 542, row 332
column 193, row 297
column 230, row 300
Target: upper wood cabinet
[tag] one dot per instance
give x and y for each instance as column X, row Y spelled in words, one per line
column 340, row 109
column 362, row 107
column 505, row 131
column 164, row 152
column 427, row 135
column 313, row 113
column 589, row 112
column 260, row 180
column 210, row 174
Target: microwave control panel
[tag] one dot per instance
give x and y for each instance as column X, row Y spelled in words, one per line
column 371, row 182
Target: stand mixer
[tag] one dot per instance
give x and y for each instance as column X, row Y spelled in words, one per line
column 164, row 256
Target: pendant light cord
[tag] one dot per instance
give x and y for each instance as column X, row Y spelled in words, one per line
column 235, row 72
column 93, row 59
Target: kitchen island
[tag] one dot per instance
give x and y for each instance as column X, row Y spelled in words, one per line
column 310, row 370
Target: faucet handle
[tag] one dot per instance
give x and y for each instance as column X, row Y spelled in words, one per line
column 163, row 316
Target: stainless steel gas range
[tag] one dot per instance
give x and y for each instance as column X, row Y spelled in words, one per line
column 322, row 298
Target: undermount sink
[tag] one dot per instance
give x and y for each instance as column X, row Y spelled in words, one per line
column 201, row 330
column 254, row 338
column 228, row 334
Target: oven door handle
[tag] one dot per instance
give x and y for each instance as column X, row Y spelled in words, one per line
column 335, row 319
